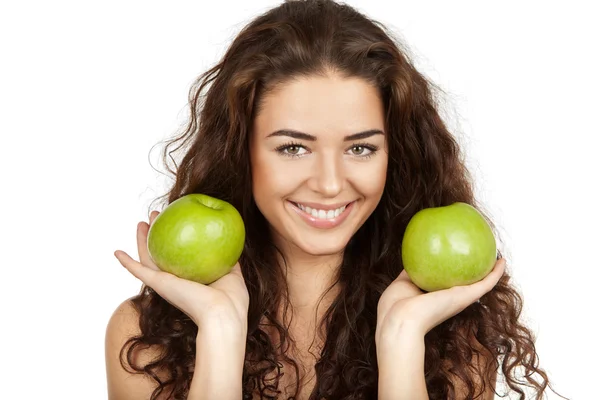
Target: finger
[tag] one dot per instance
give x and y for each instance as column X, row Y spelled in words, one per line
column 153, row 216
column 143, row 273
column 142, row 245
column 224, row 281
column 237, row 269
column 486, row 284
column 469, row 294
column 171, row 288
column 404, row 284
column 401, row 288
column 403, row 276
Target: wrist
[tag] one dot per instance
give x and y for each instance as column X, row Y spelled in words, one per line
column 404, row 330
column 392, row 345
column 219, row 364
column 223, row 340
column 218, row 323
column 222, row 335
column 230, row 346
column 400, row 361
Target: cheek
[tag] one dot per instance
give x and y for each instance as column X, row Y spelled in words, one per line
column 271, row 179
column 370, row 181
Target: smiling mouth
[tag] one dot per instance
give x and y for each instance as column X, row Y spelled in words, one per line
column 322, row 214
column 323, row 219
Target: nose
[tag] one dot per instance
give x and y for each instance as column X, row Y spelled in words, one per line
column 328, row 175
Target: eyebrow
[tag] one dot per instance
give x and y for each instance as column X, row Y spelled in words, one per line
column 305, row 136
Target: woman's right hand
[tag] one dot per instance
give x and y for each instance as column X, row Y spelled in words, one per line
column 224, row 301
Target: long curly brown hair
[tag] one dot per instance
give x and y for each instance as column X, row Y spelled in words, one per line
column 425, row 169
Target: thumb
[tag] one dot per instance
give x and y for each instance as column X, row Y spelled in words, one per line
column 237, row 270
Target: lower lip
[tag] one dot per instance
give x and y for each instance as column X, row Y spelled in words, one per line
column 323, row 223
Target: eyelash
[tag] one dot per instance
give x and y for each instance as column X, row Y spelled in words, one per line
column 368, row 146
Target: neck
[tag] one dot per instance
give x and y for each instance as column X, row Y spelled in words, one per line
column 308, row 278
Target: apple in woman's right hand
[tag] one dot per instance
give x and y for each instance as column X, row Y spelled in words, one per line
column 197, row 237
column 226, row 298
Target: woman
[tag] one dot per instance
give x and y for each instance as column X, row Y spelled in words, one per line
column 327, row 140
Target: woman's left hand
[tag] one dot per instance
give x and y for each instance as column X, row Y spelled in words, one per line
column 404, row 305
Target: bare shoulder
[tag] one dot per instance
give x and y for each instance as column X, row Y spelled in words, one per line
column 122, row 384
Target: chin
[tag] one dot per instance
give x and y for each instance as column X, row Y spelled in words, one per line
column 319, row 248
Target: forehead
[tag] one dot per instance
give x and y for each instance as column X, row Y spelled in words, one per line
column 321, row 104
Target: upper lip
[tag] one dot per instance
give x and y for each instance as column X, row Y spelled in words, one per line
column 324, row 207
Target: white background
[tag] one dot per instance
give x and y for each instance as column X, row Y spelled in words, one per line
column 88, row 88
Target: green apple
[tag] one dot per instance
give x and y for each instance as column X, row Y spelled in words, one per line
column 448, row 246
column 197, row 237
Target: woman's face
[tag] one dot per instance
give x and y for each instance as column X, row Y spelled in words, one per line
column 335, row 157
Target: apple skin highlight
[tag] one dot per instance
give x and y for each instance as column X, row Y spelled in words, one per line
column 448, row 246
column 197, row 237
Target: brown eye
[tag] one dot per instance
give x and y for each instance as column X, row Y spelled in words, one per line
column 293, row 149
column 363, row 151
column 360, row 150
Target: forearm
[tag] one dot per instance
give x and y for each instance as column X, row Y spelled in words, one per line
column 400, row 359
column 219, row 365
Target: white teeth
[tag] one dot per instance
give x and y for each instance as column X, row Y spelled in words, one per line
column 321, row 214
